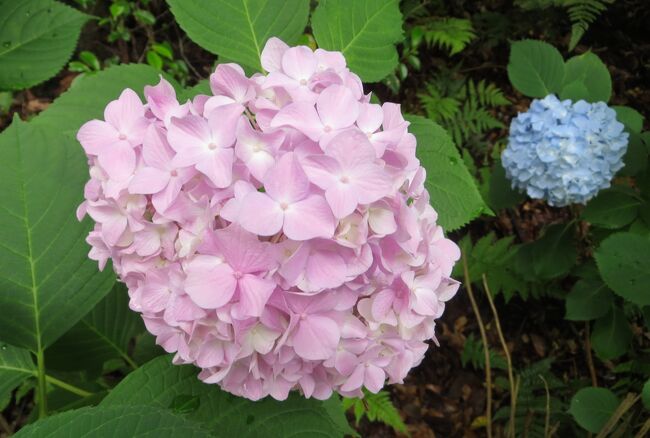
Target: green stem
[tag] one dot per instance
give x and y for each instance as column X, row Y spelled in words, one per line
column 68, row 387
column 42, row 384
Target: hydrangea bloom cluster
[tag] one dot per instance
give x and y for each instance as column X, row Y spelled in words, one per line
column 564, row 152
column 276, row 234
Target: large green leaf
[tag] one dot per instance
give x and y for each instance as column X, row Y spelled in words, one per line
column 612, row 209
column 114, row 422
column 88, row 97
column 611, row 335
column 589, row 299
column 16, row 365
column 161, row 384
column 500, row 192
column 589, row 71
column 47, row 282
column 102, row 334
column 592, row 407
column 453, row 191
column 535, row 68
column 624, row 263
column 238, row 29
column 37, row 38
column 364, row 30
column 551, row 256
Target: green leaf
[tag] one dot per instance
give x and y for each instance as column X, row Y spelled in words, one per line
column 611, row 209
column 454, row 194
column 592, row 407
column 47, row 281
column 37, row 38
column 159, row 383
column 575, row 91
column 624, row 263
column 535, row 68
column 238, row 29
column 589, row 299
column 611, row 335
column 90, row 60
column 588, row 70
column 645, row 394
column 16, row 366
column 102, row 334
column 154, row 60
column 636, row 156
column 88, row 97
column 202, row 87
column 366, row 31
column 630, row 117
column 114, row 422
column 501, row 194
column 551, row 256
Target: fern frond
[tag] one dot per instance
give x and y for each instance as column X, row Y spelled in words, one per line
column 452, row 34
column 376, row 407
column 582, row 13
column 437, row 106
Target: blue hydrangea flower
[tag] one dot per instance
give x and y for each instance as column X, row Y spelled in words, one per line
column 564, row 152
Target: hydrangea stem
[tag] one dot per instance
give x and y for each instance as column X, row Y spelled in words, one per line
column 486, row 348
column 41, row 391
column 68, row 387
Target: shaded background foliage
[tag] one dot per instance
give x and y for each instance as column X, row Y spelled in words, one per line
column 566, row 330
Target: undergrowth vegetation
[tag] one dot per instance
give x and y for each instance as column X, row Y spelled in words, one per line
column 550, row 332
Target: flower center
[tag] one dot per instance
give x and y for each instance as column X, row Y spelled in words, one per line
column 174, row 173
column 122, row 136
column 238, row 275
column 212, row 146
column 344, row 179
column 284, row 205
column 327, row 128
column 303, row 82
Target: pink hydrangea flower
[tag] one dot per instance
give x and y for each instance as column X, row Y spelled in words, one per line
column 276, row 234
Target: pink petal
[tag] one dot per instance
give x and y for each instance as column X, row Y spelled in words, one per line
column 370, row 117
column 325, row 269
column 223, row 124
column 382, row 303
column 374, row 378
column 299, row 63
column 162, row 200
column 189, row 132
column 342, row 198
column 301, row 116
column 156, row 150
column 286, row 182
column 381, row 220
column 316, row 337
column 119, row 161
column 337, row 107
column 148, row 180
column 355, row 380
column 309, row 218
column 210, row 287
column 124, row 112
column 229, row 79
column 97, row 136
column 217, row 166
column 271, row 56
column 259, row 214
column 322, row 170
column 254, row 292
column 242, row 249
column 372, row 183
column 351, row 149
column 161, row 98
